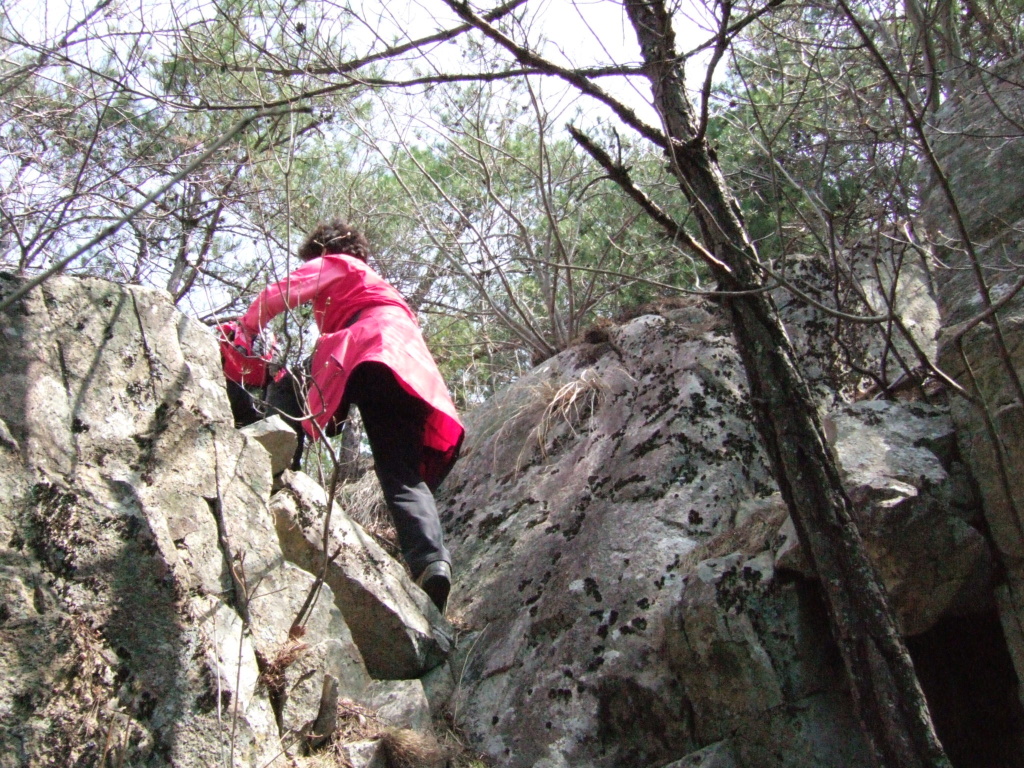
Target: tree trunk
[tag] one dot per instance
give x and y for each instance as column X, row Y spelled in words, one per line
column 885, row 689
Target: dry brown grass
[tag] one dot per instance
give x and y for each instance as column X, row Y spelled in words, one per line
column 459, row 752
column 272, row 672
column 569, row 403
column 403, row 748
column 363, row 500
column 553, row 404
column 412, row 749
column 694, row 312
column 357, row 723
column 666, row 305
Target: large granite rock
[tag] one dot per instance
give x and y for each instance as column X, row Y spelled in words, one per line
column 146, row 608
column 394, row 623
column 624, row 560
column 916, row 508
column 979, row 143
column 582, row 490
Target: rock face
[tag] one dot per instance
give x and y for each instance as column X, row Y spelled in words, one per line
column 628, row 584
column 979, row 143
column 835, row 353
column 146, row 606
column 917, row 510
column 636, row 589
column 585, row 490
column 278, row 438
column 400, row 633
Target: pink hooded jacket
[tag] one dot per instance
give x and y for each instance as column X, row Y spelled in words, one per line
column 362, row 318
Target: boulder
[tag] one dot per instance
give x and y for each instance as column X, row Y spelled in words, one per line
column 582, row 492
column 399, row 704
column 148, row 608
column 916, row 509
column 280, row 441
column 633, row 591
column 976, row 140
column 397, row 628
column 366, row 753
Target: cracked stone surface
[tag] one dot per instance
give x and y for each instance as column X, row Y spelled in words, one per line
column 635, row 588
column 396, row 626
column 976, row 137
column 144, row 592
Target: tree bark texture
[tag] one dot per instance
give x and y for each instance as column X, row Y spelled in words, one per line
column 886, row 693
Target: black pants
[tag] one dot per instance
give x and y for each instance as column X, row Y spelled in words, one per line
column 394, row 421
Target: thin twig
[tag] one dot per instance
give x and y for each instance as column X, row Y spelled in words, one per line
column 152, row 197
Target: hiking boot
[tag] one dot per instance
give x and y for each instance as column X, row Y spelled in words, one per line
column 436, row 581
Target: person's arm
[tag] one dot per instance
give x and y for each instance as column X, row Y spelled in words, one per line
column 299, row 287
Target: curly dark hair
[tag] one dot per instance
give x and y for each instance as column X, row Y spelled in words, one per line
column 334, row 236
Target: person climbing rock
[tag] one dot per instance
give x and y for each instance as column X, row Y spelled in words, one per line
column 371, row 353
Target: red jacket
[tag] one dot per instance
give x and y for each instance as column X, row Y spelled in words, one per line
column 385, row 330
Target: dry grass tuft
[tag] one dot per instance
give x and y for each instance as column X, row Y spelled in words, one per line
column 356, row 722
column 412, row 749
column 454, row 742
column 363, row 502
column 569, row 403
column 272, row 674
column 696, row 313
column 403, row 748
column 659, row 307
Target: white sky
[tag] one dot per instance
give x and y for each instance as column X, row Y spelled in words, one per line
column 575, row 33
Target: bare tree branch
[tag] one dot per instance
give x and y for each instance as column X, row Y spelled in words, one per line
column 152, row 197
